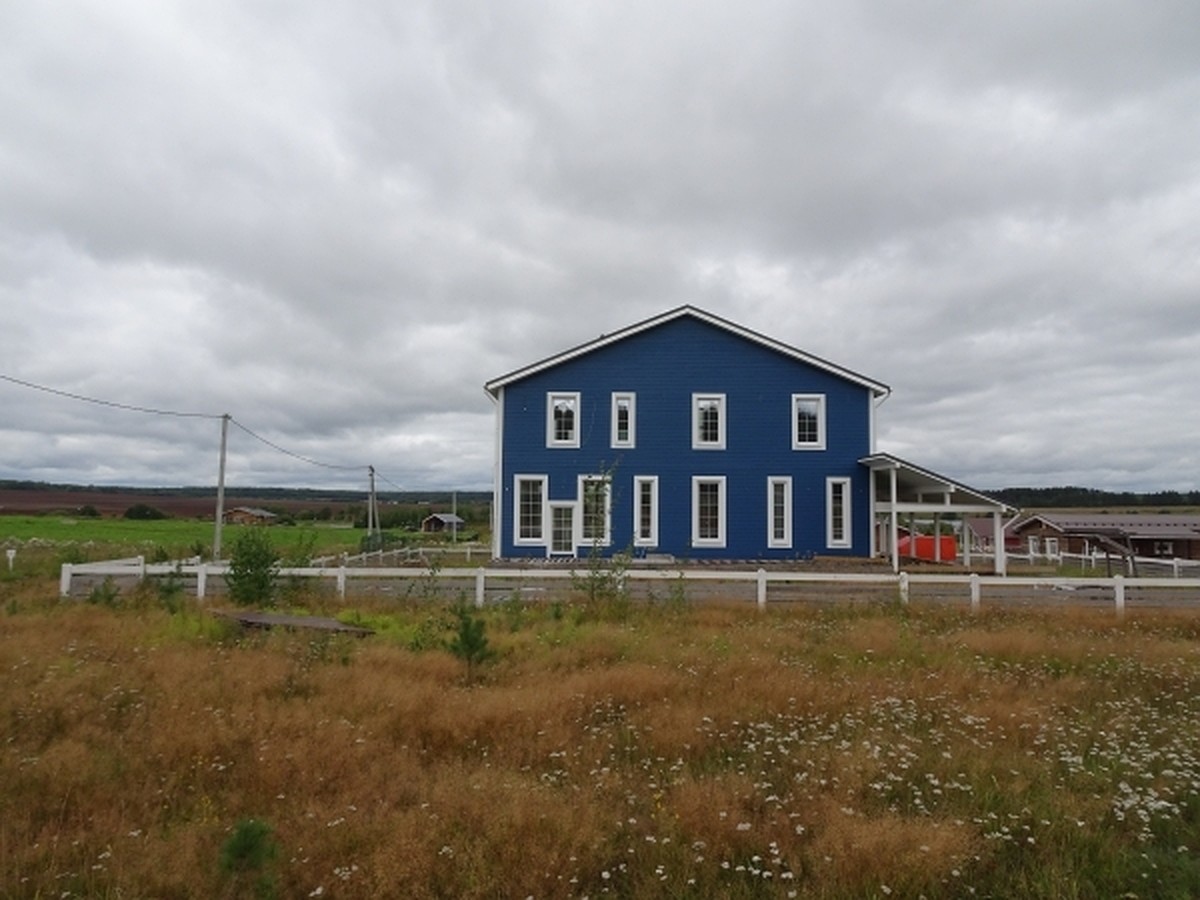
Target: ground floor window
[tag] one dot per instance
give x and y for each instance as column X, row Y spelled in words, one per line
column 708, row 511
column 562, row 528
column 779, row 511
column 529, row 509
column 595, row 509
column 837, row 512
column 645, row 511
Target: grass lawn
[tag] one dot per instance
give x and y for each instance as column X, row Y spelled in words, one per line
column 602, row 750
column 100, row 538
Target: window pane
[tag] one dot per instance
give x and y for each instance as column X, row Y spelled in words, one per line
column 837, row 512
column 530, row 509
column 709, row 510
column 808, row 429
column 623, row 420
column 595, row 495
column 564, row 419
column 709, row 421
column 645, row 510
column 778, row 511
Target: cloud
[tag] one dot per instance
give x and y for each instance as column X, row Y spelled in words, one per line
column 337, row 222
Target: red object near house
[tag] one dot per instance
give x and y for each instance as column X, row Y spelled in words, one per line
column 925, row 548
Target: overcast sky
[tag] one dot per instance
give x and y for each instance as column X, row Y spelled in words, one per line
column 336, row 221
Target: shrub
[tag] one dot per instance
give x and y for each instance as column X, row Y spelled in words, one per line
column 253, row 568
column 143, row 512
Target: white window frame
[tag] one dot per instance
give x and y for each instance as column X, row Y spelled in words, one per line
column 581, row 535
column 784, row 481
column 722, row 415
column 630, row 439
column 541, row 539
column 832, row 539
column 819, row 443
column 719, row 540
column 645, row 483
column 552, row 398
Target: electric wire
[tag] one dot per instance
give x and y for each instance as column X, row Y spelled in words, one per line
column 192, row 415
column 111, row 403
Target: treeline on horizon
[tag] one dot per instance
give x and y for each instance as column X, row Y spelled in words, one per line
column 258, row 493
column 1058, row 497
column 1022, row 497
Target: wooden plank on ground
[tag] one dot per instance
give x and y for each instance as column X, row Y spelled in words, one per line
column 249, row 619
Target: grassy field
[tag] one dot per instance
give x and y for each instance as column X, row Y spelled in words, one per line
column 603, row 750
column 90, row 539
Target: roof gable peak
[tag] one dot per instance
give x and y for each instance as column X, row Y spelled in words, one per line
column 693, row 312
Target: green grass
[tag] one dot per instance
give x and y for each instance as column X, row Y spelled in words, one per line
column 177, row 537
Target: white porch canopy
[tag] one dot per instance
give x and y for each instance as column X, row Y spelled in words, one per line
column 899, row 487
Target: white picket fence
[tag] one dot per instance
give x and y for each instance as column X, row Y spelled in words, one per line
column 699, row 583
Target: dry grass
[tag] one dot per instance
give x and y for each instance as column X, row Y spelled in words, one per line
column 709, row 752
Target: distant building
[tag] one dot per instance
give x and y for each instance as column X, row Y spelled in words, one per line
column 440, row 522
column 249, row 515
column 1163, row 535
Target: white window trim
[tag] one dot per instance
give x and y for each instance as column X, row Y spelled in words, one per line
column 819, row 443
column 606, row 537
column 640, row 481
column 631, row 397
column 542, row 539
column 553, row 396
column 847, row 539
column 719, row 540
column 722, row 415
column 786, row 541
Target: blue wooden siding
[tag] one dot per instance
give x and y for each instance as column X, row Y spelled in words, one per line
column 664, row 366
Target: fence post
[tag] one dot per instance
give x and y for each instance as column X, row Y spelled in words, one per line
column 341, row 580
column 64, row 581
column 11, row 554
column 201, row 580
column 762, row 588
column 904, row 588
column 1119, row 595
column 974, row 592
column 141, row 564
column 1174, row 567
column 479, row 587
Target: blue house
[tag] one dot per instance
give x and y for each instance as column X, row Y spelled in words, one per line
column 690, row 436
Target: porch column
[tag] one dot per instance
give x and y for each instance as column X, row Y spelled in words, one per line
column 998, row 543
column 894, row 524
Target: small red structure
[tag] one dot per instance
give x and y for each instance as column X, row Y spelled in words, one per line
column 926, row 546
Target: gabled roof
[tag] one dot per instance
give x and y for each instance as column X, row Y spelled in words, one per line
column 914, row 484
column 1160, row 526
column 877, row 388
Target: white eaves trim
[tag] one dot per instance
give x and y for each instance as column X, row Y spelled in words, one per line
column 877, row 388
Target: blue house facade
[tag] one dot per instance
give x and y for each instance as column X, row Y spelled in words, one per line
column 684, row 435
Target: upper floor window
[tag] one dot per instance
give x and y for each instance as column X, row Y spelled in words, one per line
column 624, row 420
column 808, row 421
column 562, row 420
column 708, row 421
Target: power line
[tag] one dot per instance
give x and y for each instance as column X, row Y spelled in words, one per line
column 286, row 452
column 110, row 403
column 191, row 415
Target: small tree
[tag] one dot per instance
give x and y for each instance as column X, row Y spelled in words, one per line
column 470, row 643
column 253, row 568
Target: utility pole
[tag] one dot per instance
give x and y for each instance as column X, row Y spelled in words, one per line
column 219, row 519
column 372, row 509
